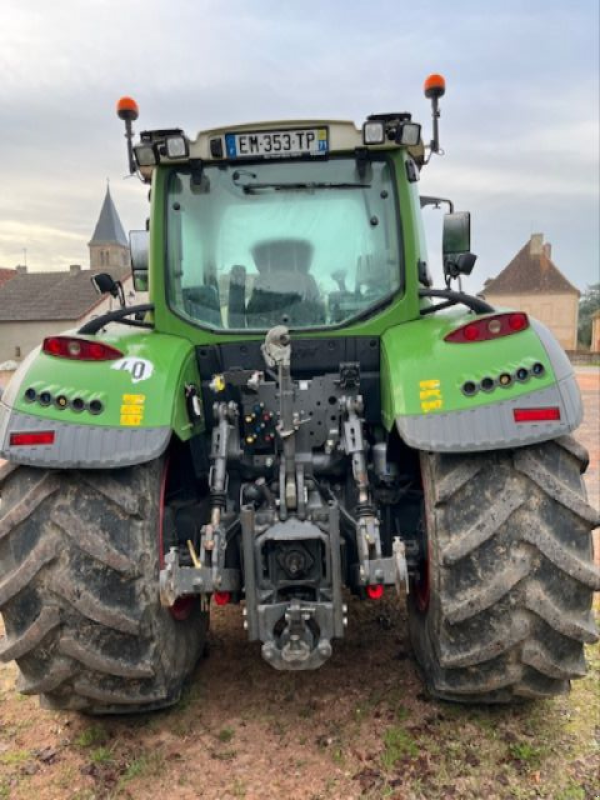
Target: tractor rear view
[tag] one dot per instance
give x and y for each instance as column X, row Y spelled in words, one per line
column 296, row 420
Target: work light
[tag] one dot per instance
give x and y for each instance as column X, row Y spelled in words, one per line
column 145, row 155
column 373, row 133
column 176, row 147
column 409, row 134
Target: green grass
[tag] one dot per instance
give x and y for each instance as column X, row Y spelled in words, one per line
column 95, row 735
column 398, row 744
column 226, row 735
column 102, row 755
column 145, row 766
column 528, row 753
column 15, row 757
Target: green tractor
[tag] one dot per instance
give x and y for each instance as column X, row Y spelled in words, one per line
column 294, row 418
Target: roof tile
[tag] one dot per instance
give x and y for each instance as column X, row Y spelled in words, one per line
column 530, row 272
column 41, row 296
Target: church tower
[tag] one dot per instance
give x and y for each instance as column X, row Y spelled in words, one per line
column 109, row 246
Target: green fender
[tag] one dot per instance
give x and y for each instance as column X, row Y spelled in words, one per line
column 423, row 379
column 106, row 413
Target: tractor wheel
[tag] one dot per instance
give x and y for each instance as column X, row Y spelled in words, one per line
column 79, row 564
column 502, row 608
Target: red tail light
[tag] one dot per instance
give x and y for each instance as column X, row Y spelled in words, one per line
column 536, row 414
column 79, row 349
column 31, row 438
column 375, row 592
column 482, row 330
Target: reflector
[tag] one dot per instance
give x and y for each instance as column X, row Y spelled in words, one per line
column 536, row 414
column 31, row 438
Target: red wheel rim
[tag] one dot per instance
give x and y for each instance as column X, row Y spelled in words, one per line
column 422, row 586
column 183, row 606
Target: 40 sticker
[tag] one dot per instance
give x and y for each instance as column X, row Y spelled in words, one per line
column 140, row 369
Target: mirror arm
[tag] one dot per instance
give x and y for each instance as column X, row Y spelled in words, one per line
column 428, row 200
column 476, row 304
column 94, row 325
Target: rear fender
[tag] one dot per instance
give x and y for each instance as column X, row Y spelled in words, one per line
column 423, row 379
column 131, row 406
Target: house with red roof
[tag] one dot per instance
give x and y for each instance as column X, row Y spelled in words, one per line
column 34, row 305
column 6, row 275
column 532, row 283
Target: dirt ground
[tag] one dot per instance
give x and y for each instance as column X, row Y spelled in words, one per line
column 361, row 727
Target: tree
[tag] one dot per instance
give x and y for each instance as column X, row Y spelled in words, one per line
column 589, row 303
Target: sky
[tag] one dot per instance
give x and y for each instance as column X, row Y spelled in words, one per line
column 519, row 125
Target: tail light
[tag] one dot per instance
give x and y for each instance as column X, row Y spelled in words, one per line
column 79, row 349
column 536, row 414
column 31, row 438
column 489, row 328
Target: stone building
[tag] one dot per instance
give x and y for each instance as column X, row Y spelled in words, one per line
column 34, row 305
column 595, row 346
column 532, row 283
column 109, row 246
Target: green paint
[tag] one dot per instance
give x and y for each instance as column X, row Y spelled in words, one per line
column 416, row 352
column 160, row 395
column 412, row 348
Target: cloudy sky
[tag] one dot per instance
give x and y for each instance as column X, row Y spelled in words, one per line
column 519, row 125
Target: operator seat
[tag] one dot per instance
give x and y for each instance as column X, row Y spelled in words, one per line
column 284, row 292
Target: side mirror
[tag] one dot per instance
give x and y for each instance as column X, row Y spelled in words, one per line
column 139, row 244
column 456, row 248
column 104, row 283
column 457, row 233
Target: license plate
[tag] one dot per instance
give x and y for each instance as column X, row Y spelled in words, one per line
column 277, row 144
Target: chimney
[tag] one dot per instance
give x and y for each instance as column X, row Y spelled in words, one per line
column 548, row 251
column 75, row 269
column 536, row 244
column 21, row 270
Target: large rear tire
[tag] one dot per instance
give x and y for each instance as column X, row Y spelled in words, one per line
column 79, row 563
column 503, row 608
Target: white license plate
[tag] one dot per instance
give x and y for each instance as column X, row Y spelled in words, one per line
column 275, row 144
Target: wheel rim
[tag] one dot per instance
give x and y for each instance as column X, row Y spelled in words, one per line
column 422, row 584
column 183, row 606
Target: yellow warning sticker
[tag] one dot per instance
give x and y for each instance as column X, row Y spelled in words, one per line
column 131, row 420
column 132, row 409
column 430, row 394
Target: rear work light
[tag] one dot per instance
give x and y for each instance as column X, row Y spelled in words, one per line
column 536, row 414
column 31, row 438
column 79, row 349
column 483, row 330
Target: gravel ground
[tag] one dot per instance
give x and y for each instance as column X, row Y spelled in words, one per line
column 360, row 727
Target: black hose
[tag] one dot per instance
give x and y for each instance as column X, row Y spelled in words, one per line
column 476, row 304
column 94, row 325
